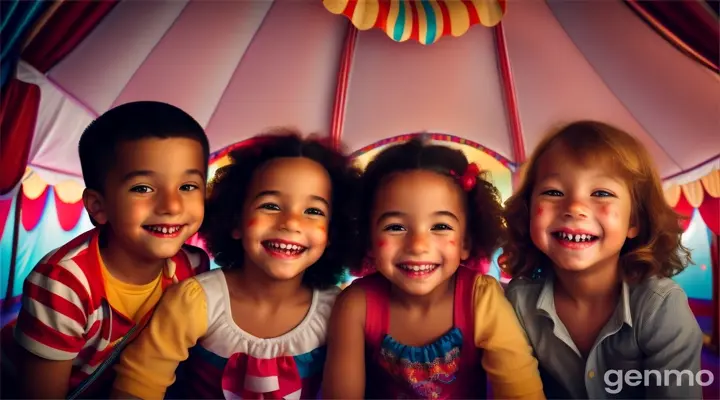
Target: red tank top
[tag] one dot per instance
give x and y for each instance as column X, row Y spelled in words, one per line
column 448, row 368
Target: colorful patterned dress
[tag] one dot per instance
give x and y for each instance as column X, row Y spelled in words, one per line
column 225, row 362
column 448, row 368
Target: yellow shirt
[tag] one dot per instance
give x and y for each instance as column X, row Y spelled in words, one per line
column 133, row 301
column 147, row 366
column 507, row 355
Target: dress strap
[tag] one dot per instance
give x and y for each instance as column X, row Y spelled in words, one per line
column 376, row 289
column 464, row 310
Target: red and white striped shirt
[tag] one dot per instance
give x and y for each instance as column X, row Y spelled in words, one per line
column 65, row 314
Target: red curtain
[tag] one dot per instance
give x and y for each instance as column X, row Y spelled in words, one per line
column 63, row 31
column 710, row 213
column 18, row 114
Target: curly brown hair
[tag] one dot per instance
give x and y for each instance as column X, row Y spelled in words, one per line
column 485, row 226
column 656, row 250
column 228, row 191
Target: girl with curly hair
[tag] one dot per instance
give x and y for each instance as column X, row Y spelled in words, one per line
column 424, row 326
column 592, row 246
column 256, row 328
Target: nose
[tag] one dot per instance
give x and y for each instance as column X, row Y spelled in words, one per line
column 290, row 221
column 417, row 243
column 576, row 209
column 169, row 202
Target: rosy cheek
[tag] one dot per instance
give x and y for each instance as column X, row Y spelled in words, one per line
column 539, row 211
column 381, row 243
column 252, row 222
column 452, row 243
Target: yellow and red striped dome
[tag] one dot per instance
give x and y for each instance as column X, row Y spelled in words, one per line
column 423, row 20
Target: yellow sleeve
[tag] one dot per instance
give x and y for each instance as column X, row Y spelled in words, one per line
column 147, row 366
column 507, row 356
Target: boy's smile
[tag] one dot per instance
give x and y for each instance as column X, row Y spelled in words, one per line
column 580, row 214
column 153, row 199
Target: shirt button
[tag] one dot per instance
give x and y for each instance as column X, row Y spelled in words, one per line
column 591, row 374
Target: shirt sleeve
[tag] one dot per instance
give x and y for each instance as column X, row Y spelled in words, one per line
column 147, row 366
column 671, row 341
column 53, row 319
column 507, row 355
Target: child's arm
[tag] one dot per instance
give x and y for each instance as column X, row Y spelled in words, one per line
column 671, row 341
column 147, row 366
column 50, row 330
column 344, row 376
column 507, row 355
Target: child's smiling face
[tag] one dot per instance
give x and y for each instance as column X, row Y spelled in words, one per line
column 418, row 230
column 285, row 217
column 580, row 214
column 153, row 197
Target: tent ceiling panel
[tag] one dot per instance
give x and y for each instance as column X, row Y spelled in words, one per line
column 555, row 84
column 179, row 70
column 99, row 68
column 452, row 86
column 668, row 93
column 287, row 76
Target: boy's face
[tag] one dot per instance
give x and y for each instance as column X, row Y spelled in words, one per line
column 580, row 215
column 284, row 229
column 154, row 196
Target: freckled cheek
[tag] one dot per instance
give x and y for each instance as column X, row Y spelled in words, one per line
column 610, row 212
column 320, row 233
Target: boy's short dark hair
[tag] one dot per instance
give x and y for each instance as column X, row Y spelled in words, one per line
column 129, row 122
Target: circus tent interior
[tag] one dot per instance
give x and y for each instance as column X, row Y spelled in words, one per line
column 490, row 78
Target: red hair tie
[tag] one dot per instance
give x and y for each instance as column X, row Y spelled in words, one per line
column 469, row 178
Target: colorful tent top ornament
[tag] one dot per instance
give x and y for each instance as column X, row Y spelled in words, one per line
column 423, row 20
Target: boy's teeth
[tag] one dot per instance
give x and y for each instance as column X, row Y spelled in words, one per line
column 163, row 229
column 426, row 267
column 575, row 237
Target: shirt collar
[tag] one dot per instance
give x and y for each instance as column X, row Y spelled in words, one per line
column 546, row 302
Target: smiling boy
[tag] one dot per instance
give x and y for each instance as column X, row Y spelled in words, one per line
column 144, row 166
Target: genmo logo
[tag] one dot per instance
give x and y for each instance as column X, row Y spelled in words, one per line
column 615, row 379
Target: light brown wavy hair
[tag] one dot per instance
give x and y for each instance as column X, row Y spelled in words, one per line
column 655, row 251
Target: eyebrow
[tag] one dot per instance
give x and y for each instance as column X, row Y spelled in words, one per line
column 277, row 193
column 149, row 173
column 391, row 214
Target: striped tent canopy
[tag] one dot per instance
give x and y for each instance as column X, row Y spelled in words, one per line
column 425, row 21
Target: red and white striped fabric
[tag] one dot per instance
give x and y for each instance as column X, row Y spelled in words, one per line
column 65, row 314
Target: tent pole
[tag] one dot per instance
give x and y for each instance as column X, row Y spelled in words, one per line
column 8, row 302
column 343, row 81
column 510, row 97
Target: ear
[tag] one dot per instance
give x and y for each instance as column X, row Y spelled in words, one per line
column 94, row 203
column 633, row 232
column 465, row 250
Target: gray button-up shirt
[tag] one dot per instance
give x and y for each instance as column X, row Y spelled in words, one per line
column 651, row 340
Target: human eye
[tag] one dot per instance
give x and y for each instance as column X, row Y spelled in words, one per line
column 442, row 227
column 269, row 207
column 315, row 211
column 394, row 228
column 141, row 189
column 188, row 187
column 552, row 193
column 603, row 193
